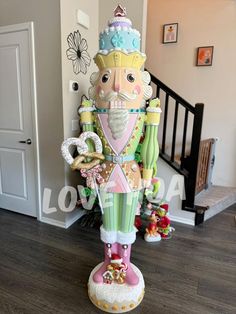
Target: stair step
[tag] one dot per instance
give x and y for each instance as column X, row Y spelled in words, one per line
column 216, row 198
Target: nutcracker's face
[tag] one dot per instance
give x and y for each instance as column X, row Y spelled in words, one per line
column 119, row 88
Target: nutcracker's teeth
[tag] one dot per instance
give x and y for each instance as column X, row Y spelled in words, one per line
column 117, row 104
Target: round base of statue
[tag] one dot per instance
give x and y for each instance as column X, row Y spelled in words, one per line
column 114, row 297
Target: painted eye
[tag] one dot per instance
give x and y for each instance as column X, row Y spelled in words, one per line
column 105, row 78
column 130, row 78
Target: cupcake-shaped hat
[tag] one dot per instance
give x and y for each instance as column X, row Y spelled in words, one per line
column 119, row 43
column 119, row 34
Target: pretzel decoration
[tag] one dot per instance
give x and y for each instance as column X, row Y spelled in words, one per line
column 78, row 161
column 82, row 149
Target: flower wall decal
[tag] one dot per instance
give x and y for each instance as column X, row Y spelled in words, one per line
column 77, row 52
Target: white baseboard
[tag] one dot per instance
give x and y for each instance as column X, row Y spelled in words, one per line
column 62, row 224
column 53, row 222
column 70, row 222
column 186, row 221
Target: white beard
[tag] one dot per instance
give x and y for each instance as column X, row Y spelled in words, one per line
column 118, row 120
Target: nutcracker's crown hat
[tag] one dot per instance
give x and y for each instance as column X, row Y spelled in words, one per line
column 120, row 59
column 119, row 44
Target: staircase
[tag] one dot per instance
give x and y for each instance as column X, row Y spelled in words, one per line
column 215, row 199
column 191, row 162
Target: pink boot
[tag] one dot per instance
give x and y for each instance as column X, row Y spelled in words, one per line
column 108, row 249
column 131, row 277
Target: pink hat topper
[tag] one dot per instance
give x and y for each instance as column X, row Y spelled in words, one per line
column 120, row 18
column 120, row 11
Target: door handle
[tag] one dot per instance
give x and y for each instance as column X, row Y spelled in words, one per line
column 28, row 141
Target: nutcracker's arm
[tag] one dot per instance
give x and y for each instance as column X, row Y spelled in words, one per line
column 91, row 167
column 87, row 120
column 88, row 144
column 150, row 147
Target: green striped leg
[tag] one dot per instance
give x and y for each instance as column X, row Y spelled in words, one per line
column 119, row 210
column 110, row 204
column 127, row 211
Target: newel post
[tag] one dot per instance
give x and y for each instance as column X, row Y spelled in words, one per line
column 194, row 155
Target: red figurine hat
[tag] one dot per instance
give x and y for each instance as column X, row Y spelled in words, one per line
column 165, row 207
column 116, row 259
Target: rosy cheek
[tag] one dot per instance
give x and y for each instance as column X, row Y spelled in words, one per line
column 137, row 88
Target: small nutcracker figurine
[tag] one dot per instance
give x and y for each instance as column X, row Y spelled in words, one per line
column 152, row 234
column 159, row 227
column 163, row 223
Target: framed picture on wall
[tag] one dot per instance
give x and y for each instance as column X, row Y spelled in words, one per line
column 205, row 56
column 170, row 33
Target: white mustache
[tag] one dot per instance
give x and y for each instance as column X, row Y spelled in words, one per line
column 122, row 95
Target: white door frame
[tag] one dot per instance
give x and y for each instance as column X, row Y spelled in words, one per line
column 29, row 27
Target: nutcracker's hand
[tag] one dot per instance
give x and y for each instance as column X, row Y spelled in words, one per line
column 79, row 164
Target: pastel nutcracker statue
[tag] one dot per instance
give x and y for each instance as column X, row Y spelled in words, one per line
column 113, row 122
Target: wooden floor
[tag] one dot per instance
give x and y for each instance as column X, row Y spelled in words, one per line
column 44, row 269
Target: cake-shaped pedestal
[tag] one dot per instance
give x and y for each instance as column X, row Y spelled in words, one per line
column 116, row 298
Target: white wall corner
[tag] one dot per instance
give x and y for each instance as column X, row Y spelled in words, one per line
column 166, row 173
column 71, row 219
column 53, row 222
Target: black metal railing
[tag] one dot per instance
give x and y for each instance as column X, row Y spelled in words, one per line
column 188, row 164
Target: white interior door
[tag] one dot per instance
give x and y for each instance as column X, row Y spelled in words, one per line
column 17, row 147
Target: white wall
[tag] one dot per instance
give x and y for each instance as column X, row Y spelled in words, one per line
column 71, row 101
column 166, row 173
column 69, row 25
column 46, row 17
column 201, row 23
